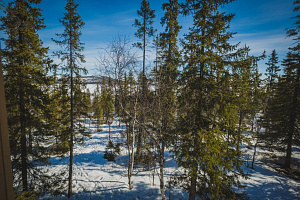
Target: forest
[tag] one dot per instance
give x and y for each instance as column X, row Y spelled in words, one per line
column 200, row 105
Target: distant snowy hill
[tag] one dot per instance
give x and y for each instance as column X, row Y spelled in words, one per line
column 94, row 79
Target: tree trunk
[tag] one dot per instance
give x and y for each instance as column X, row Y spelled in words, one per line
column 293, row 118
column 71, row 117
column 131, row 155
column 71, row 141
column 239, row 132
column 143, row 100
column 22, row 118
column 90, row 124
column 6, row 181
column 194, row 170
column 23, row 141
column 161, row 169
column 109, row 132
column 192, row 191
column 139, row 144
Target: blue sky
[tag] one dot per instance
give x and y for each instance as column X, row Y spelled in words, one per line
column 261, row 24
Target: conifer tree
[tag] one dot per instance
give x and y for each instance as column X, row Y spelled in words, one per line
column 284, row 108
column 72, row 58
column 291, row 83
column 88, row 103
column 245, row 90
column 60, row 111
column 107, row 103
column 272, row 71
column 145, row 29
column 29, row 114
column 164, row 106
column 292, row 76
column 63, row 117
column 283, row 112
column 80, row 110
column 97, row 108
column 210, row 163
column 271, row 84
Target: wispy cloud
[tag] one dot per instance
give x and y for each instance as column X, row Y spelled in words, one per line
column 258, row 42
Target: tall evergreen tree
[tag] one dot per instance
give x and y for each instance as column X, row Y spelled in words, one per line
column 291, row 99
column 145, row 29
column 72, row 57
column 272, row 70
column 164, row 107
column 292, row 77
column 27, row 94
column 284, row 110
column 209, row 160
column 271, row 84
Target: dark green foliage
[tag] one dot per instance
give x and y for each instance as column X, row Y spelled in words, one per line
column 145, row 28
column 71, row 58
column 97, row 108
column 107, row 101
column 27, row 93
column 111, row 151
column 269, row 137
column 292, row 77
column 60, row 103
column 210, row 158
column 272, row 70
column 283, row 110
column 163, row 98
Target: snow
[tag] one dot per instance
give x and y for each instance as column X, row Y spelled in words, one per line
column 267, row 184
column 96, row 178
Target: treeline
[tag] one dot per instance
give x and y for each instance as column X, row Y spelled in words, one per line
column 200, row 96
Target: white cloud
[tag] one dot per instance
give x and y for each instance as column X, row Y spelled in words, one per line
column 258, row 42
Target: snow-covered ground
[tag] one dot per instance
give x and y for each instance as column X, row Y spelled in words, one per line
column 96, row 178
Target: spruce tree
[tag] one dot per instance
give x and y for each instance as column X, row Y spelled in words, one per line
column 72, row 57
column 80, row 110
column 59, row 100
column 88, row 103
column 107, row 103
column 292, row 77
column 63, row 117
column 271, row 84
column 164, row 103
column 245, row 90
column 272, row 71
column 145, row 29
column 210, row 162
column 96, row 107
column 283, row 111
column 27, row 93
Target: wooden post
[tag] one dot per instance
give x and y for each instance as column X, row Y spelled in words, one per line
column 6, row 183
